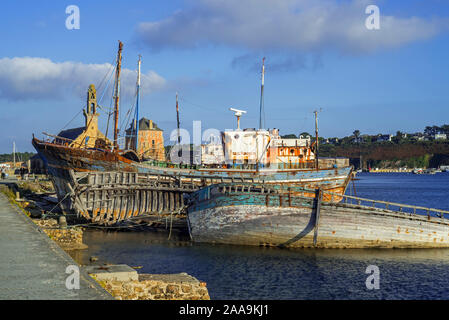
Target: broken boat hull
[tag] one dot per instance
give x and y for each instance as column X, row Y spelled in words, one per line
column 105, row 187
column 274, row 220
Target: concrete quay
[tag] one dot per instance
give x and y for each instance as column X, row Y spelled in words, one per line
column 33, row 267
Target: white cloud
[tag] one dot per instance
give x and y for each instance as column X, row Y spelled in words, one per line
column 40, row 78
column 285, row 25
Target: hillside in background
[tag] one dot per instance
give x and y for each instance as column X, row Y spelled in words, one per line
column 411, row 154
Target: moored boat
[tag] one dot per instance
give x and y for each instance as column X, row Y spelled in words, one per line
column 262, row 216
column 96, row 179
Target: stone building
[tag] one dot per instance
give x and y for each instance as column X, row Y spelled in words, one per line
column 151, row 140
column 88, row 136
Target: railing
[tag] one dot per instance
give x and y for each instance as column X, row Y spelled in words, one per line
column 387, row 205
column 293, row 191
column 57, row 139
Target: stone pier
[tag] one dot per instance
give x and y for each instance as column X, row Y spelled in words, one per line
column 32, row 266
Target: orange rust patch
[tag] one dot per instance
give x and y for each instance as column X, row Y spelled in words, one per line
column 333, row 232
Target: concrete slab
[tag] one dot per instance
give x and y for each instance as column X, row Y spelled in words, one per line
column 118, row 272
column 32, row 266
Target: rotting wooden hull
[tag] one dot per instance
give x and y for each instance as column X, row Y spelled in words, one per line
column 127, row 198
column 245, row 220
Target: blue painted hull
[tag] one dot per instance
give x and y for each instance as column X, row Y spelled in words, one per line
column 222, row 215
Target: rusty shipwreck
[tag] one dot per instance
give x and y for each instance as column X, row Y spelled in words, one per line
column 105, row 184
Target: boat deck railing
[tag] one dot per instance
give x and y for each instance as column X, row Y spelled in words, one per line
column 332, row 197
column 62, row 141
column 393, row 206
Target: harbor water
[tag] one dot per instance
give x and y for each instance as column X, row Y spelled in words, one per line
column 238, row 272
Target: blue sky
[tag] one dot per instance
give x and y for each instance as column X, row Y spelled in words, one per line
column 318, row 54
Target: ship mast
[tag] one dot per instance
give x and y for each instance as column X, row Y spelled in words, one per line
column 14, row 153
column 177, row 119
column 117, row 93
column 137, row 103
column 261, row 110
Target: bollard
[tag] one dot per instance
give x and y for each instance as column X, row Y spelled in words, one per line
column 17, row 196
column 62, row 222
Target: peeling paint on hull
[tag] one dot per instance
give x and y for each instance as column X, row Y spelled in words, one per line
column 340, row 226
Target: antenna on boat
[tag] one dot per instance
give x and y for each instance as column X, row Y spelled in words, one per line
column 238, row 113
column 137, row 103
column 117, row 93
column 316, row 137
column 261, row 109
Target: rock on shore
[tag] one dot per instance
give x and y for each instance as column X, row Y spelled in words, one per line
column 179, row 286
column 67, row 239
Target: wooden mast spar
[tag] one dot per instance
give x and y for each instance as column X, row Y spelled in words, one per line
column 117, row 94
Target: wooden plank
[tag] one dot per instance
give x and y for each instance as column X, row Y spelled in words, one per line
column 317, row 216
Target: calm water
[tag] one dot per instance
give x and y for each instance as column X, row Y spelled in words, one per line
column 234, row 272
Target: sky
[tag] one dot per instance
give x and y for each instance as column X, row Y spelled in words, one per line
column 320, row 55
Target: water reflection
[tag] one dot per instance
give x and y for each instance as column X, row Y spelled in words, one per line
column 240, row 272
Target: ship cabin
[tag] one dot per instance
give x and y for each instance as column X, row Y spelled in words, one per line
column 251, row 148
column 291, row 153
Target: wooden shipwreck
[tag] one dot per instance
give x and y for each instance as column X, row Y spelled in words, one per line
column 95, row 179
column 249, row 214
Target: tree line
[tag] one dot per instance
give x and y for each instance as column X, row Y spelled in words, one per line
column 20, row 156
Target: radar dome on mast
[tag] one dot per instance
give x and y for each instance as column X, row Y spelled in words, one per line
column 238, row 113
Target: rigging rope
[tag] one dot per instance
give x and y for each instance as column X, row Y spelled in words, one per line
column 99, row 86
